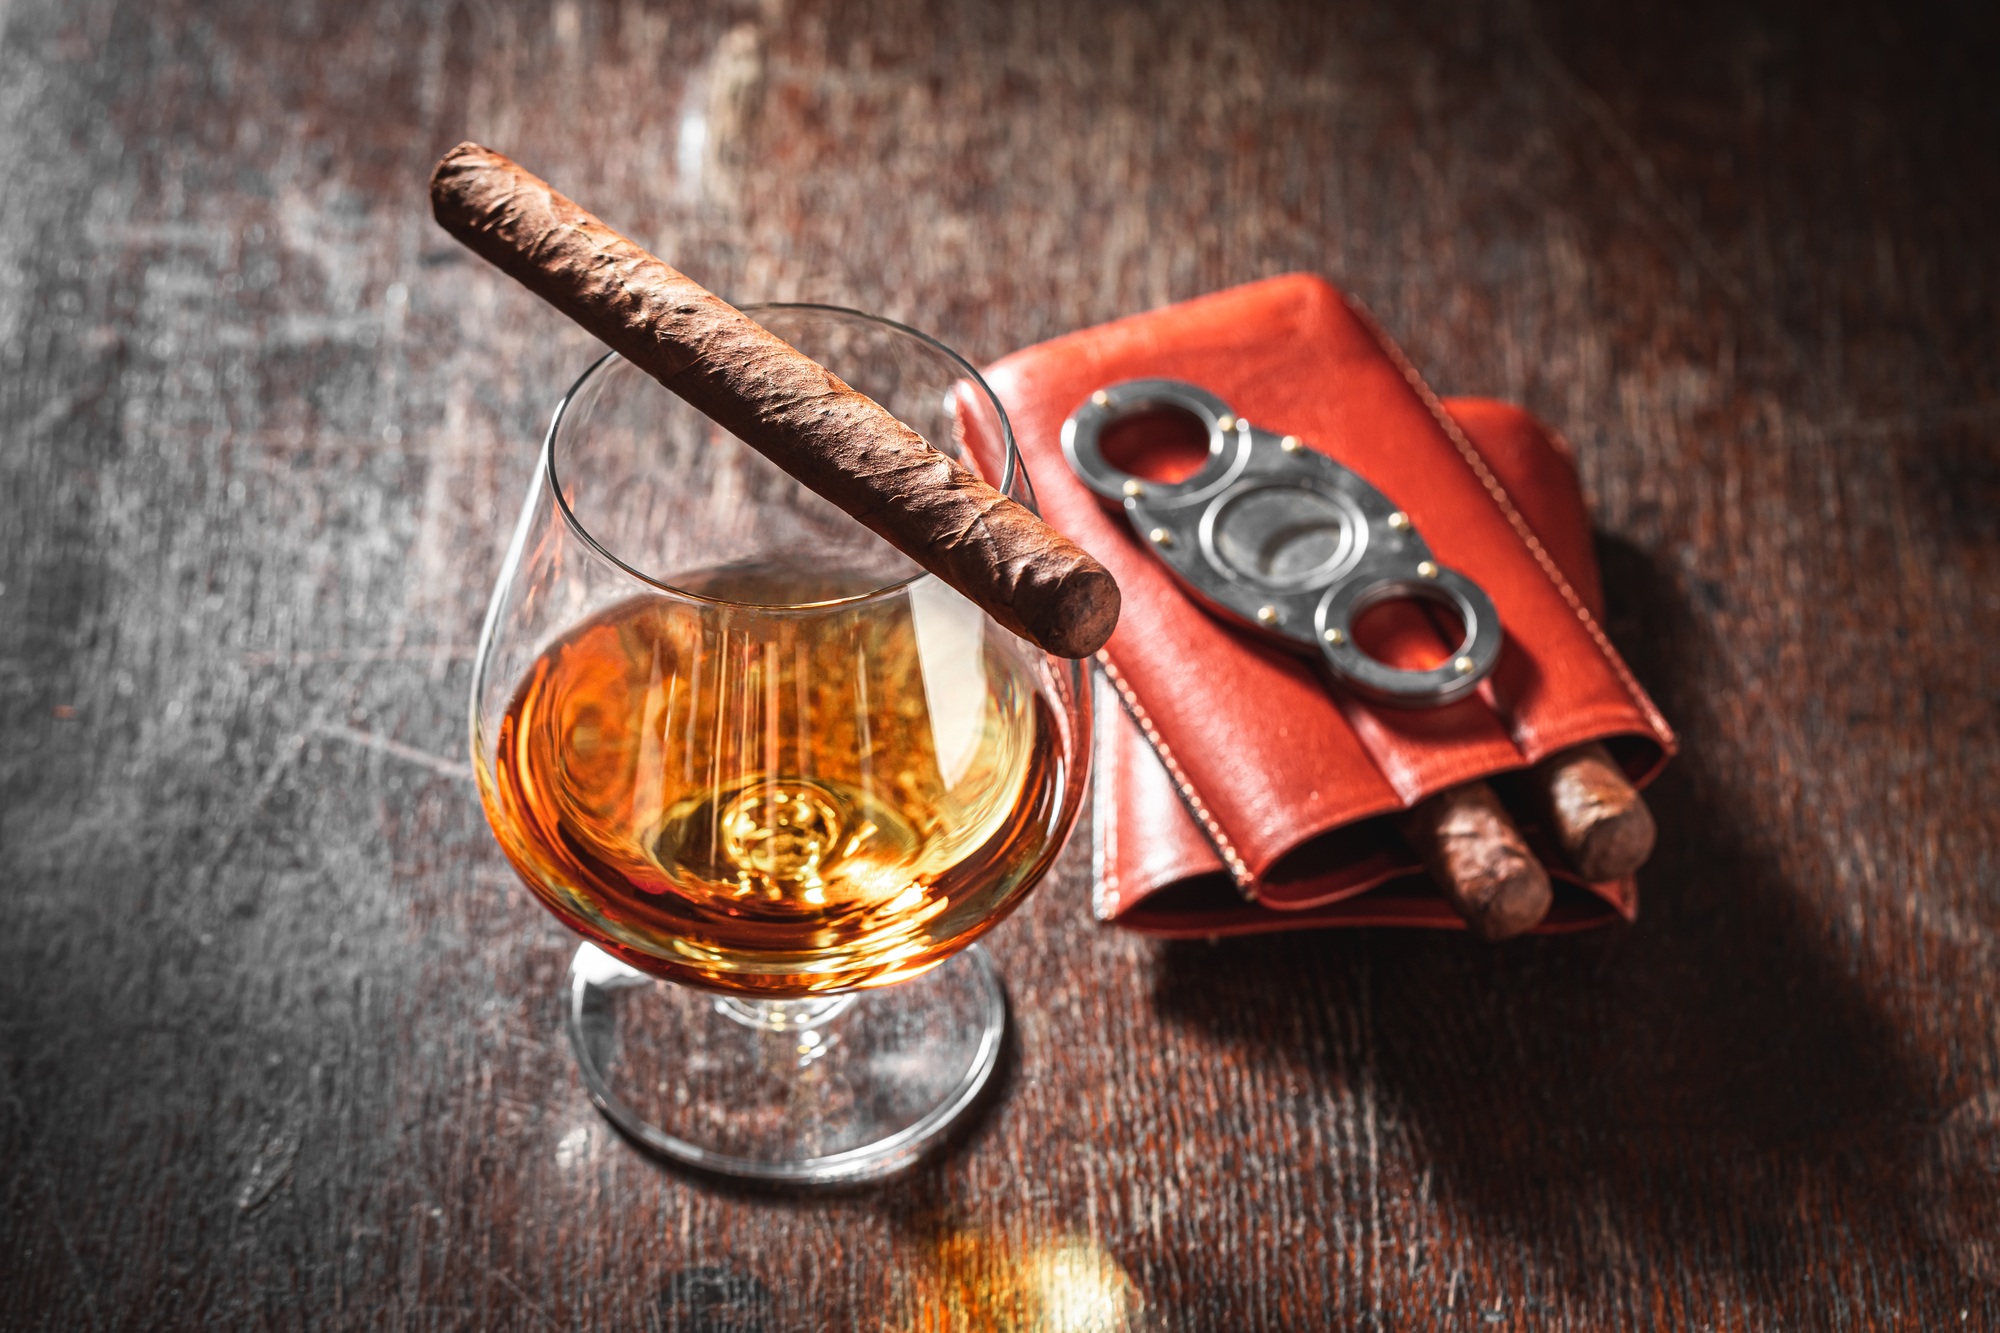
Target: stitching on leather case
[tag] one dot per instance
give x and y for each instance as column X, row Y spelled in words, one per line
column 1104, row 886
column 1238, row 871
column 1109, row 895
column 1473, row 460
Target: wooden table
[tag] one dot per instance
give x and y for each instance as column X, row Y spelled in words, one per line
column 280, row 1031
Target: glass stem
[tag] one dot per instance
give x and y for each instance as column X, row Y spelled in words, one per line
column 797, row 1022
column 785, row 1015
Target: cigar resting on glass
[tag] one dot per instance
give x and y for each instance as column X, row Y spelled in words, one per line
column 1479, row 859
column 1598, row 817
column 836, row 441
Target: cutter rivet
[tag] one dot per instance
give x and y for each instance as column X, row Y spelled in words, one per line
column 1400, row 521
column 1463, row 666
column 1334, row 636
column 1290, row 444
column 1267, row 615
column 1101, row 398
column 1160, row 537
column 1133, row 486
column 1226, row 424
column 1425, row 569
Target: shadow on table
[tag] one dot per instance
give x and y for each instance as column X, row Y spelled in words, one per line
column 1704, row 1086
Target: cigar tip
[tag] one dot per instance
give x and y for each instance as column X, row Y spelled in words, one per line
column 463, row 150
column 1599, row 818
column 1479, row 859
column 447, row 174
column 466, row 148
column 1079, row 618
column 1515, row 905
column 440, row 182
column 1617, row 844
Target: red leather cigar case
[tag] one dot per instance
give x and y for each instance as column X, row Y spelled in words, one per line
column 1237, row 790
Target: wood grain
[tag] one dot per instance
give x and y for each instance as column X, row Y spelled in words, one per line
column 280, row 1038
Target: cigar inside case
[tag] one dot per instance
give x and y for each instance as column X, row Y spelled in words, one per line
column 1239, row 787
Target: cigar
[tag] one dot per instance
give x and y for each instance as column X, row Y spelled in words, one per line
column 788, row 407
column 1480, row 860
column 1599, row 819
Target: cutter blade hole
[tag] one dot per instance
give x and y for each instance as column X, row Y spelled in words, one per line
column 1410, row 633
column 1157, row 443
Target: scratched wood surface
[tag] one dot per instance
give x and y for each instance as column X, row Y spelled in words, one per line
column 279, row 1032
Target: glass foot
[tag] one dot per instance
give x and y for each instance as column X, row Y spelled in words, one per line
column 837, row 1089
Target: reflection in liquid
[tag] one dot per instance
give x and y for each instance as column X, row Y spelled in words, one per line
column 976, row 1283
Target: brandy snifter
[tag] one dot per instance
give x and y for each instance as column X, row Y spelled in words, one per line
column 777, row 776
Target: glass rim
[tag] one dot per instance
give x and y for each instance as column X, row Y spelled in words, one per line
column 1010, row 467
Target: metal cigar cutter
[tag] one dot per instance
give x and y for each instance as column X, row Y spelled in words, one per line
column 1283, row 540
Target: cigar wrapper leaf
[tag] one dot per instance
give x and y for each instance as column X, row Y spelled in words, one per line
column 837, row 442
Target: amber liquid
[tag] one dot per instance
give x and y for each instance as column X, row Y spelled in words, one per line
column 774, row 799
